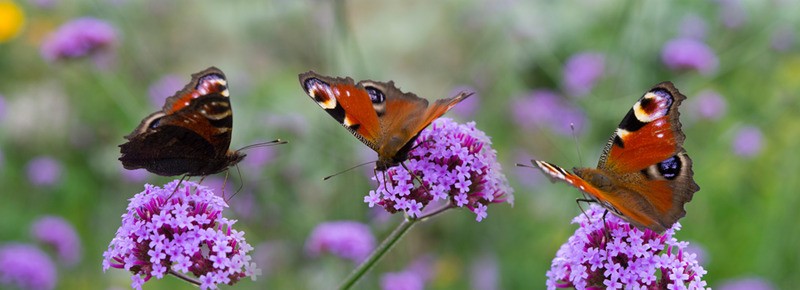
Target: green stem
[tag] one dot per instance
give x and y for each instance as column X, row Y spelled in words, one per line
column 184, row 277
column 378, row 253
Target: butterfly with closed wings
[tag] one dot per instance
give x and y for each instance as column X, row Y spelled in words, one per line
column 190, row 135
column 644, row 175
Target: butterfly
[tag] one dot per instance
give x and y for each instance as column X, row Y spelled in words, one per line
column 377, row 113
column 644, row 175
column 190, row 135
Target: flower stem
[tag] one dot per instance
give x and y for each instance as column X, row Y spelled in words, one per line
column 378, row 253
column 184, row 277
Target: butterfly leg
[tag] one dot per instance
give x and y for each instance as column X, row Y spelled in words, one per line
column 241, row 185
column 422, row 184
column 586, row 200
column 184, row 177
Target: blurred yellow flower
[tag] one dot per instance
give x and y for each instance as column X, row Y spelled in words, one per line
column 11, row 20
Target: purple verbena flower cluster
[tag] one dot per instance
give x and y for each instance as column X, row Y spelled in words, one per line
column 582, row 71
column 26, row 267
column 179, row 231
column 689, row 54
column 617, row 255
column 346, row 239
column 456, row 164
column 78, row 38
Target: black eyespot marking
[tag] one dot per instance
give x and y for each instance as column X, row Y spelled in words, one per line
column 670, row 168
column 154, row 123
column 375, row 95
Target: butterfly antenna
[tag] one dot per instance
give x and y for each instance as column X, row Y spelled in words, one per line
column 263, row 144
column 525, row 165
column 348, row 169
column 575, row 137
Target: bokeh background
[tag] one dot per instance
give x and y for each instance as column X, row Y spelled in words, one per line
column 536, row 67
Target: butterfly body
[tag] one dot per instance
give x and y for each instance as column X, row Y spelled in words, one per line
column 191, row 135
column 644, row 175
column 377, row 113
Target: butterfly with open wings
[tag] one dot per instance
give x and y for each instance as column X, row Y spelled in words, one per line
column 190, row 135
column 644, row 175
column 377, row 113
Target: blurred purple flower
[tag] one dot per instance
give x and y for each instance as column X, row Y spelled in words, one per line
column 523, row 174
column 59, row 234
column 732, row 13
column 457, row 165
column 467, row 108
column 163, row 88
column 783, row 39
column 44, row 171
column 750, row 283
column 485, row 274
column 2, row 108
column 615, row 254
column 699, row 251
column 405, row 280
column 690, row 54
column 258, row 158
column 748, row 141
column 709, row 105
column 693, row 26
column 581, row 72
column 183, row 231
column 345, row 239
column 134, row 176
column 548, row 109
column 79, row 38
column 44, row 4
column 26, row 267
column 269, row 256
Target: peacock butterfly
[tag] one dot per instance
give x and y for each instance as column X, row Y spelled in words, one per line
column 190, row 135
column 377, row 113
column 644, row 175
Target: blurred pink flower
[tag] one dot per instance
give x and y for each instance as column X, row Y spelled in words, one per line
column 405, row 280
column 467, row 108
column 581, row 72
column 689, row 54
column 750, row 283
column 346, row 239
column 44, row 171
column 748, row 141
column 693, row 26
column 78, row 38
column 709, row 105
column 164, row 88
column 26, row 267
column 783, row 39
column 485, row 273
column 732, row 13
column 134, row 176
column 2, row 107
column 59, row 234
column 545, row 108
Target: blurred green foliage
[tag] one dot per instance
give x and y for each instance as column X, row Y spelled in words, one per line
column 77, row 111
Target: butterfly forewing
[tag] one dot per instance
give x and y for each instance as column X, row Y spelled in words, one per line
column 649, row 133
